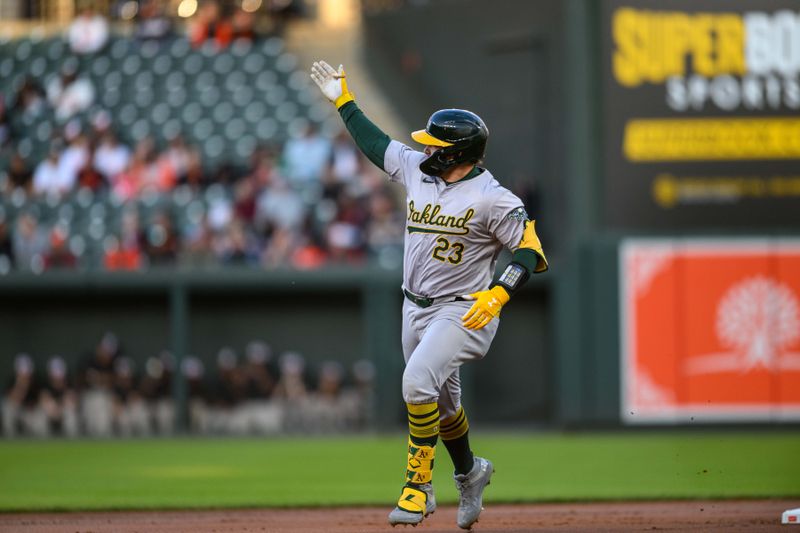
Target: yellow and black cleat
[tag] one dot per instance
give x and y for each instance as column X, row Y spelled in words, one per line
column 415, row 503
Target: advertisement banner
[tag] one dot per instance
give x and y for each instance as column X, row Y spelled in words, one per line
column 710, row 330
column 701, row 104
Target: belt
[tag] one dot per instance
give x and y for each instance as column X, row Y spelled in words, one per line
column 422, row 301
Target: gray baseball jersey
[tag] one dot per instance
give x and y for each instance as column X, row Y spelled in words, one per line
column 454, row 232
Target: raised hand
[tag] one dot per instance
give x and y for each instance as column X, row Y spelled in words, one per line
column 331, row 82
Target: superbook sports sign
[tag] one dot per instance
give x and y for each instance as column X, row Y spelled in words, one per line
column 745, row 60
column 702, row 113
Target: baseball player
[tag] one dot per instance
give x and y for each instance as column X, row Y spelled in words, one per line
column 459, row 218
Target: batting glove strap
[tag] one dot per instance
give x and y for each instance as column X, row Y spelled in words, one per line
column 346, row 97
column 487, row 306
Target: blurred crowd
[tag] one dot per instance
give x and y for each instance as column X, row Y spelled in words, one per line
column 220, row 20
column 305, row 201
column 308, row 203
column 110, row 394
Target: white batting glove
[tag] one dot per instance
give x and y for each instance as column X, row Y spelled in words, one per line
column 332, row 83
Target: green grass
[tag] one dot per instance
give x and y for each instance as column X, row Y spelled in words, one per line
column 183, row 473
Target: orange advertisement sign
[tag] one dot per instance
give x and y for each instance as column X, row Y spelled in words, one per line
column 710, row 330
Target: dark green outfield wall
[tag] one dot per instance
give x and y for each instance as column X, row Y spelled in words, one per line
column 339, row 315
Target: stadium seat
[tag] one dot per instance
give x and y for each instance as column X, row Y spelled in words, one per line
column 224, row 63
column 242, row 96
column 254, row 63
column 222, row 113
column 112, row 80
column 191, row 113
column 266, row 129
column 245, row 146
column 272, row 46
column 162, row 65
column 171, row 129
column 203, row 129
column 25, row 148
column 241, row 47
column 235, row 80
column 100, row 67
column 209, row 96
column 214, row 146
column 127, row 115
column 23, row 50
column 56, row 49
column 143, row 81
column 111, row 98
column 286, row 63
column 235, row 128
column 131, row 65
column 140, row 129
column 38, row 67
column 175, row 81
column 149, row 49
column 144, row 98
column 179, row 48
column 160, row 113
column 286, row 111
column 275, row 95
column 120, row 49
column 43, row 128
column 255, row 111
column 193, row 64
column 65, row 213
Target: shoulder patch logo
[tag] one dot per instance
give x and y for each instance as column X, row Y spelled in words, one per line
column 518, row 214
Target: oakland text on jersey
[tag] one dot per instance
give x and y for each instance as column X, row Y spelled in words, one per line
column 429, row 216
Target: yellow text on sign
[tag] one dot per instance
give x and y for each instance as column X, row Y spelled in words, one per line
column 651, row 140
column 651, row 46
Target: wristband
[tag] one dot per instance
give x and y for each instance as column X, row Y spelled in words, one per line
column 513, row 277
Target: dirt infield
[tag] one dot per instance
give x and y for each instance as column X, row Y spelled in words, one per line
column 760, row 515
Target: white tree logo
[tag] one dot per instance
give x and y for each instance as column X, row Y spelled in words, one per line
column 758, row 320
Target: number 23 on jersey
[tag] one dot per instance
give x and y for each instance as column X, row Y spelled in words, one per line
column 449, row 252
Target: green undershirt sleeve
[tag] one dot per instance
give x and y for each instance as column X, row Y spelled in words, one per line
column 527, row 258
column 368, row 137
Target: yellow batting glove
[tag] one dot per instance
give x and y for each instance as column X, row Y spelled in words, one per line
column 332, row 83
column 487, row 306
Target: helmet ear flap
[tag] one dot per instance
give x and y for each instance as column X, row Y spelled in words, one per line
column 441, row 160
column 433, row 165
